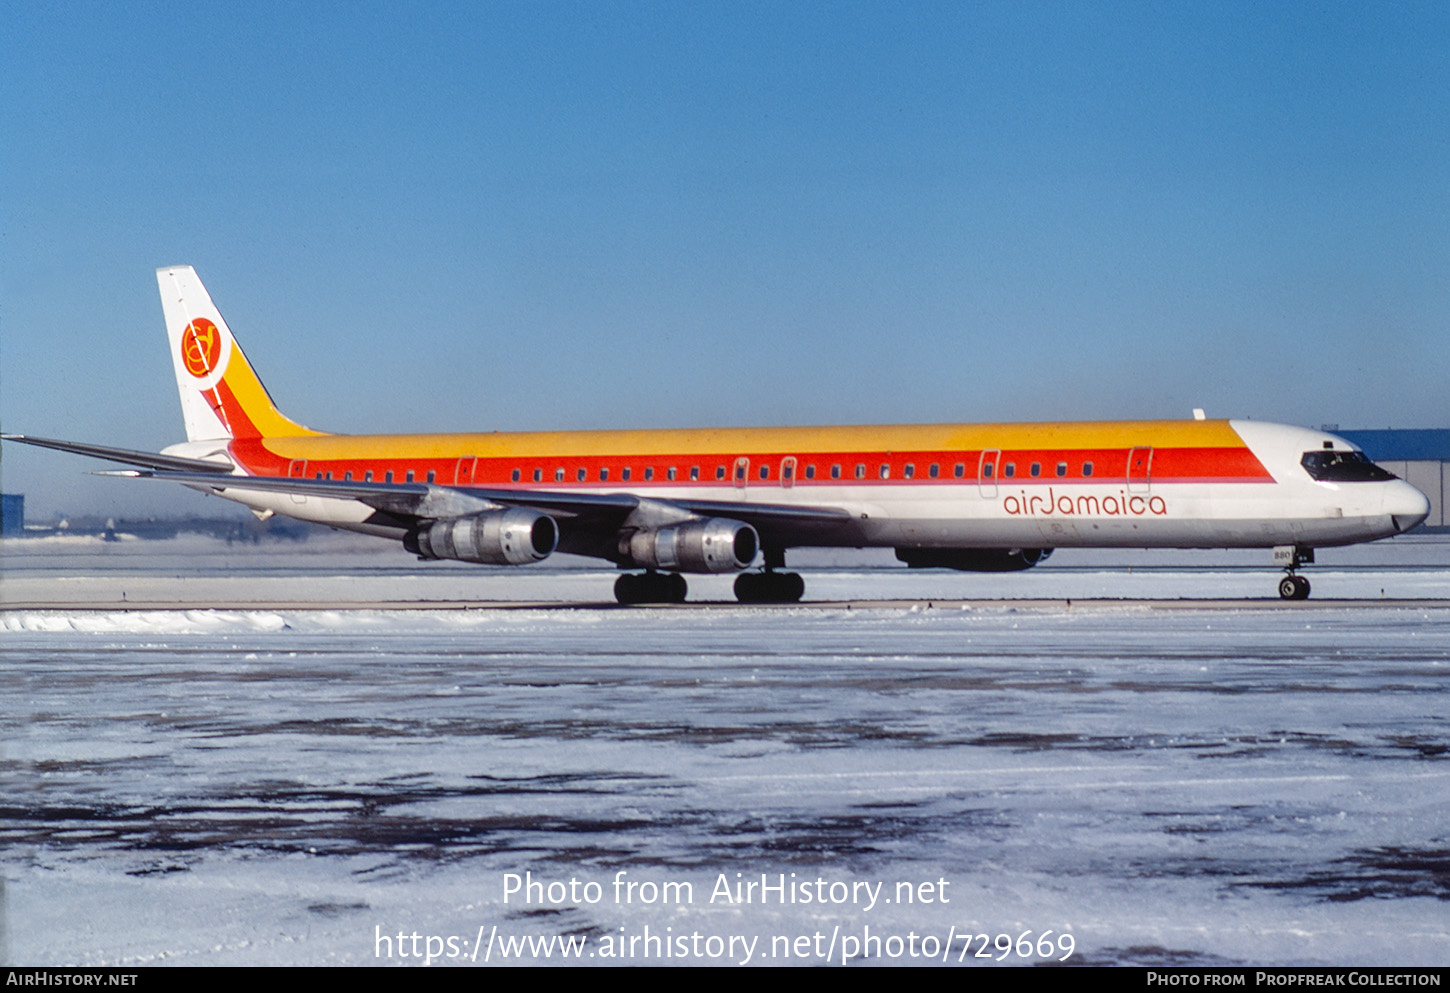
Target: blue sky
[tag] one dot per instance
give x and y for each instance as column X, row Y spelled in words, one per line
column 509, row 216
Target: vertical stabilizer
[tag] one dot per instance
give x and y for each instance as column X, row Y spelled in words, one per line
column 221, row 397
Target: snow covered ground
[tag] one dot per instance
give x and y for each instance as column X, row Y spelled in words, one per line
column 1117, row 782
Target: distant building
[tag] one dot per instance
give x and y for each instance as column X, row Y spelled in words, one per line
column 1420, row 457
column 12, row 513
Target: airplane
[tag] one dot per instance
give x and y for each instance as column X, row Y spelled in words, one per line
column 973, row 497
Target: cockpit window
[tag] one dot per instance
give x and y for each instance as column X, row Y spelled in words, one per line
column 1343, row 467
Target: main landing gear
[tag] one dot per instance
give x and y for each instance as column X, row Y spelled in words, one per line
column 1294, row 586
column 770, row 586
column 650, row 587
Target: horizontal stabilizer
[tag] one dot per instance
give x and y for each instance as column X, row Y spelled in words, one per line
column 149, row 460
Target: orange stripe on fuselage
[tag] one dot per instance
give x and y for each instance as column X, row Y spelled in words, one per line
column 1183, row 451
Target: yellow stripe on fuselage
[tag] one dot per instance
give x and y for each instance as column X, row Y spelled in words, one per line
column 779, row 441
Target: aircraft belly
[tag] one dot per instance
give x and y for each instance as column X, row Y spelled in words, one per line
column 1090, row 533
column 348, row 514
column 1185, row 516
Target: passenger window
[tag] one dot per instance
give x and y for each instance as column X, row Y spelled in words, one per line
column 934, row 471
column 908, row 471
column 389, row 477
column 410, row 475
column 959, row 470
column 604, row 475
column 649, row 473
column 580, row 473
column 835, row 472
column 810, row 472
column 559, row 474
column 538, row 475
column 720, row 472
column 1009, row 470
column 670, row 474
column 430, row 475
column 885, row 471
column 516, row 475
column 860, row 470
column 765, row 472
column 347, row 477
column 624, row 475
column 1062, row 469
column 368, row 476
column 1035, row 470
column 694, row 472
column 1087, row 468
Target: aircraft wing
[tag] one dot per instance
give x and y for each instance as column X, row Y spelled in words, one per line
column 589, row 522
column 779, row 524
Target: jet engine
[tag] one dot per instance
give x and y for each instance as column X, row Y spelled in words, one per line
column 973, row 559
column 495, row 537
column 714, row 544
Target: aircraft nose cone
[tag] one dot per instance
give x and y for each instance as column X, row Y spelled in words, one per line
column 1407, row 506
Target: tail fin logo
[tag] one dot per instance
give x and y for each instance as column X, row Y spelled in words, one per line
column 201, row 346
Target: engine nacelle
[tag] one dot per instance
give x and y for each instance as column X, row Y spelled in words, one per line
column 714, row 544
column 495, row 537
column 973, row 559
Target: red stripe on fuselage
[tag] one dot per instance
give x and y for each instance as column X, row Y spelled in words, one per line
column 1082, row 466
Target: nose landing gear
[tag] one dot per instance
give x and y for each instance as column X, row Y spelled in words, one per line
column 1293, row 586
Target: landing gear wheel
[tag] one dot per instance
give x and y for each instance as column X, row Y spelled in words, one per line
column 769, row 587
column 792, row 586
column 675, row 588
column 1293, row 587
column 651, row 587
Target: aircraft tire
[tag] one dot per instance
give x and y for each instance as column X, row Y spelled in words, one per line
column 676, row 588
column 793, row 587
column 650, row 587
column 769, row 587
column 1294, row 588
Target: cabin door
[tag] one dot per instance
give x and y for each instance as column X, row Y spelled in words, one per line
column 297, row 469
column 1140, row 469
column 742, row 472
column 463, row 472
column 987, row 472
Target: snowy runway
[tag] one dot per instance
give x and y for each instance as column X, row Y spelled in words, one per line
column 267, row 787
